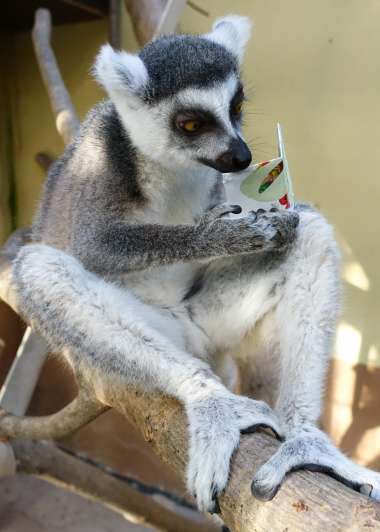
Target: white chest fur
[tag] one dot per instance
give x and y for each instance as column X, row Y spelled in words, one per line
column 176, row 198
column 172, row 200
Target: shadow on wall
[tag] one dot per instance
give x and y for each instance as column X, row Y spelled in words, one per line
column 352, row 405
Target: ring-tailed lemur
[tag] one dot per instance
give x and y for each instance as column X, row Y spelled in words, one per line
column 137, row 272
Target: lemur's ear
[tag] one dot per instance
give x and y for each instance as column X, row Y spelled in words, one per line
column 233, row 32
column 120, row 72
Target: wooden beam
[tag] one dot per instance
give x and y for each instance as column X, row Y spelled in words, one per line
column 151, row 18
column 169, row 19
column 115, row 24
column 45, row 460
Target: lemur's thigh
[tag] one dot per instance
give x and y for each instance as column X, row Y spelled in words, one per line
column 289, row 309
column 113, row 341
column 99, row 324
column 232, row 295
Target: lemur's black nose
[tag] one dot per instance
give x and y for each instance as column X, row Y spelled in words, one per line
column 236, row 158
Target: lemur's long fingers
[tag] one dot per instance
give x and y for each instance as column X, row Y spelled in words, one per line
column 222, row 210
column 313, row 453
column 255, row 415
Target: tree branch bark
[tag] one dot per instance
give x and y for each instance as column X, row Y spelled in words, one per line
column 45, row 460
column 83, row 409
column 145, row 16
column 307, row 501
column 67, row 122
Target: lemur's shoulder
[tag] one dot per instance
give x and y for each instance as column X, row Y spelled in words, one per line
column 96, row 176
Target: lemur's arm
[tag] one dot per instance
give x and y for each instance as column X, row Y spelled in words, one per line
column 122, row 247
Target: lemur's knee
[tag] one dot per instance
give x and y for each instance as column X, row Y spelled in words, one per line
column 41, row 270
column 37, row 263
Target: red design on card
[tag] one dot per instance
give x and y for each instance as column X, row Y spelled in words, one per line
column 285, row 201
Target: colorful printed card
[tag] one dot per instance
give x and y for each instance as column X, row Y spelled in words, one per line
column 263, row 185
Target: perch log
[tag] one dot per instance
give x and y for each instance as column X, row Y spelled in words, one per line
column 66, row 120
column 43, row 459
column 307, row 501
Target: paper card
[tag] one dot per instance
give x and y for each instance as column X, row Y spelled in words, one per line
column 263, row 185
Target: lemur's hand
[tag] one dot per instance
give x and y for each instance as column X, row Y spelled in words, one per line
column 258, row 231
column 215, row 424
column 282, row 224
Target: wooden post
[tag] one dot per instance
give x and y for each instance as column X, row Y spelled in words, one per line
column 66, row 119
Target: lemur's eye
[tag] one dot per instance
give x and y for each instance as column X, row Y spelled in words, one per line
column 237, row 108
column 191, row 126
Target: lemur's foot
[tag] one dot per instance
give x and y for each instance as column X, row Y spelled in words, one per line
column 309, row 448
column 215, row 424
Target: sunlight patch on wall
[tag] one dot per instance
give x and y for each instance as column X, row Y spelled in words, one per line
column 341, row 419
column 354, row 274
column 348, row 343
column 373, row 357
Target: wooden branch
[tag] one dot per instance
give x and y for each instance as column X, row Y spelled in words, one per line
column 115, row 24
column 46, row 461
column 151, row 18
column 307, row 501
column 44, row 160
column 145, row 16
column 19, row 384
column 83, row 409
column 66, row 120
column 170, row 17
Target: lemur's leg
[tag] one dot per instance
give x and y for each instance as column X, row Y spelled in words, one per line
column 305, row 319
column 110, row 337
column 293, row 301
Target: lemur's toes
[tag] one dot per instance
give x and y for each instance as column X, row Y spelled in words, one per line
column 257, row 426
column 264, row 492
column 311, row 450
column 366, row 489
column 215, row 508
column 221, row 210
column 235, row 209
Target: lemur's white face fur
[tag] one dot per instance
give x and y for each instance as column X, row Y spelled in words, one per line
column 180, row 99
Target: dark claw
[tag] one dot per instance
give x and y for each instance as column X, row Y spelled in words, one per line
column 236, row 209
column 214, row 497
column 263, row 495
column 260, row 211
column 258, row 426
column 318, row 468
column 273, row 209
column 366, row 489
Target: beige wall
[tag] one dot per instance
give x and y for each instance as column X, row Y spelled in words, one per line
column 34, row 128
column 314, row 67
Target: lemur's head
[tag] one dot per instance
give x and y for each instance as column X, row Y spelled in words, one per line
column 181, row 97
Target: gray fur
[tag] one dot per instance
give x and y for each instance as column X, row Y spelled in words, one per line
column 177, row 62
column 86, row 209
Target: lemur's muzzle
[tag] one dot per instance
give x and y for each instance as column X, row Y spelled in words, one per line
column 235, row 159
